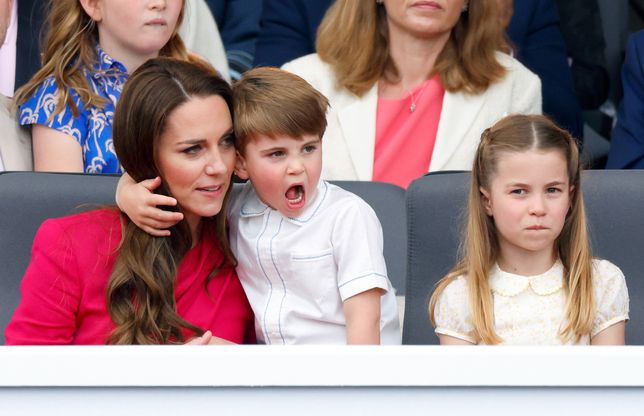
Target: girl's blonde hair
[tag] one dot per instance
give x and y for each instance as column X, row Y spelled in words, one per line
column 69, row 46
column 353, row 38
column 480, row 248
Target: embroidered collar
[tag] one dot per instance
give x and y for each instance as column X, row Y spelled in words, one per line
column 508, row 284
column 106, row 65
column 254, row 206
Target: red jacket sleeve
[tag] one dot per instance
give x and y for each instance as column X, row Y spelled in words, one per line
column 50, row 292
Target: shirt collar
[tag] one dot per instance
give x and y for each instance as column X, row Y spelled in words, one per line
column 508, row 284
column 254, row 206
column 105, row 64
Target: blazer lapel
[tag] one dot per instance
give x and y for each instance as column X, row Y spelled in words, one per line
column 358, row 124
column 458, row 116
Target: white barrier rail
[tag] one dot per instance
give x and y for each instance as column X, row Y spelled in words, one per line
column 325, row 380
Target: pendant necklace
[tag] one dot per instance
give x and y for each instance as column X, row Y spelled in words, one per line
column 413, row 99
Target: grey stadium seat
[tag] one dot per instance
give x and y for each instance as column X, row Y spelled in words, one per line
column 388, row 201
column 29, row 198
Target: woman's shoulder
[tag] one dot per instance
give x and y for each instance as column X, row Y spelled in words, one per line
column 315, row 71
column 85, row 226
column 306, row 63
column 516, row 70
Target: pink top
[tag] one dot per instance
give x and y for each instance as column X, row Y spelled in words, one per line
column 63, row 292
column 405, row 139
column 8, row 54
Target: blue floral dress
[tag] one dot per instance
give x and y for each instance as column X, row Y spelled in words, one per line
column 92, row 128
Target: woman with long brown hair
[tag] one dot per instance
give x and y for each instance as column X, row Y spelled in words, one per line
column 96, row 278
column 412, row 83
column 90, row 48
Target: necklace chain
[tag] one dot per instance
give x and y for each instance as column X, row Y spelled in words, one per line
column 413, row 99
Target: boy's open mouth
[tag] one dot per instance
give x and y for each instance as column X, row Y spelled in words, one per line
column 295, row 196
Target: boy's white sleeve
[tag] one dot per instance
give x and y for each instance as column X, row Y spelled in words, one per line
column 357, row 249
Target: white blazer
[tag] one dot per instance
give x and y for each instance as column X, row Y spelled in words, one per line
column 349, row 141
column 15, row 142
column 200, row 34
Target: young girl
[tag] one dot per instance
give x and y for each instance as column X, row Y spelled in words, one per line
column 91, row 46
column 526, row 275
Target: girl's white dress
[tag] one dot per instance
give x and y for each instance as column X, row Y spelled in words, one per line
column 529, row 310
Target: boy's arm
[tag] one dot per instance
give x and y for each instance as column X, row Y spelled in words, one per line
column 139, row 203
column 361, row 272
column 362, row 314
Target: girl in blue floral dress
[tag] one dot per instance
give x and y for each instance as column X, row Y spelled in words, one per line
column 90, row 48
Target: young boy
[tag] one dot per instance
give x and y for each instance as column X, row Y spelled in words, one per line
column 309, row 253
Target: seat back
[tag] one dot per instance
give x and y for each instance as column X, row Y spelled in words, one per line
column 436, row 208
column 388, row 201
column 29, row 198
column 615, row 211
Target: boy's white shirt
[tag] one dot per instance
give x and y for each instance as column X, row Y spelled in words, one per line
column 296, row 272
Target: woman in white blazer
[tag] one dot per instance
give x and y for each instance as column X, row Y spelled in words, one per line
column 369, row 50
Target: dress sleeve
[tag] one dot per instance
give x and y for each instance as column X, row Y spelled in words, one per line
column 611, row 296
column 361, row 266
column 49, row 292
column 452, row 312
column 38, row 110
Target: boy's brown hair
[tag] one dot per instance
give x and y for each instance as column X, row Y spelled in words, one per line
column 272, row 102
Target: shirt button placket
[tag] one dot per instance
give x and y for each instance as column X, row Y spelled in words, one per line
column 266, row 251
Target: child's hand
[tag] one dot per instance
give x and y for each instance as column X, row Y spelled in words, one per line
column 139, row 203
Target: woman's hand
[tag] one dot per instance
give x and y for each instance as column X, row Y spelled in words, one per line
column 208, row 339
column 139, row 203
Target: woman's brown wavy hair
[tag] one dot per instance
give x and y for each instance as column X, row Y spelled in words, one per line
column 354, row 39
column 69, row 46
column 140, row 292
column 480, row 248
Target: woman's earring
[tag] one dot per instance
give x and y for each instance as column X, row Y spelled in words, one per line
column 466, row 5
column 379, row 1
